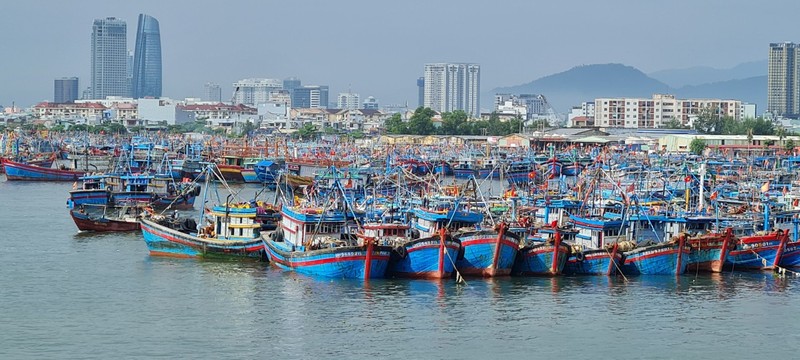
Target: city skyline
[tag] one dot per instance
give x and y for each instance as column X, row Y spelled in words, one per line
column 109, row 58
column 401, row 42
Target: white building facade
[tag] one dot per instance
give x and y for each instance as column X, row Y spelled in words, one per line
column 657, row 111
column 452, row 86
column 255, row 91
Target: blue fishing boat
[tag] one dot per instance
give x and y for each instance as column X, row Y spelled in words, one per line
column 16, row 171
column 431, row 252
column 596, row 246
column 708, row 252
column 573, row 169
column 487, row 253
column 314, row 241
column 758, row 252
column 231, row 233
column 520, row 172
column 542, row 257
column 666, row 258
column 443, row 168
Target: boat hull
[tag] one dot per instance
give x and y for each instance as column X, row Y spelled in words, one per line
column 594, row 262
column 349, row 262
column 487, row 253
column 760, row 252
column 791, row 255
column 541, row 259
column 23, row 172
column 659, row 259
column 84, row 222
column 163, row 241
column 426, row 258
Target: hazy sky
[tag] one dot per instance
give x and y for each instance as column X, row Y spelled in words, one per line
column 379, row 47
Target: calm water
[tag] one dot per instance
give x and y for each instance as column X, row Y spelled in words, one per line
column 70, row 295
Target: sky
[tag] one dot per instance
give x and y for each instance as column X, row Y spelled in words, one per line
column 379, row 48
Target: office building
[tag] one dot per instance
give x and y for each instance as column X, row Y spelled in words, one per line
column 348, row 101
column 65, row 90
column 109, row 50
column 310, row 96
column 783, row 88
column 147, row 59
column 254, row 91
column 421, row 92
column 213, row 92
column 370, row 103
column 452, row 86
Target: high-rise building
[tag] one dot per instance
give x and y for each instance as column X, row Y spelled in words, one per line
column 213, row 92
column 370, row 103
column 291, row 84
column 347, row 101
column 310, row 96
column 109, row 58
column 658, row 111
column 65, row 90
column 453, row 86
column 147, row 59
column 421, row 91
column 783, row 79
column 254, row 91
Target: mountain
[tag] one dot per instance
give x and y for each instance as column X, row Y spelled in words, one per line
column 752, row 90
column 587, row 82
column 699, row 75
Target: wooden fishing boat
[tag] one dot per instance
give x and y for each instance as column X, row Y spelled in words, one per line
column 102, row 218
column 313, row 241
column 666, row 258
column 431, row 252
column 545, row 258
column 710, row 251
column 758, row 252
column 232, row 233
column 16, row 171
column 487, row 253
column 595, row 249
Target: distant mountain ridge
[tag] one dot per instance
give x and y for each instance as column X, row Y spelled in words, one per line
column 588, row 82
column 699, row 75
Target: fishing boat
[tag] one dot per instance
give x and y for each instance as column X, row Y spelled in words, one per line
column 313, row 240
column 16, row 171
column 666, row 258
column 708, row 252
column 595, row 249
column 761, row 251
column 232, row 233
column 104, row 218
column 431, row 252
column 487, row 253
column 543, row 256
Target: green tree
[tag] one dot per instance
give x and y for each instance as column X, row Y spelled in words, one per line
column 451, row 121
column 673, row 124
column 789, row 145
column 421, row 122
column 307, row 131
column 697, row 146
column 396, row 125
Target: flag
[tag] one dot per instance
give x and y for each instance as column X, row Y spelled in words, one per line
column 714, row 195
column 688, row 178
column 765, row 187
column 630, row 188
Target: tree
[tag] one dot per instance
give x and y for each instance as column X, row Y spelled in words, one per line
column 248, row 127
column 395, row 125
column 697, row 146
column 708, row 121
column 307, row 131
column 421, row 123
column 451, row 121
column 673, row 124
column 789, row 145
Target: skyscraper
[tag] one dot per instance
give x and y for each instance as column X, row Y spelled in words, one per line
column 421, row 91
column 109, row 58
column 147, row 59
column 65, row 90
column 348, row 101
column 213, row 92
column 783, row 79
column 310, row 96
column 254, row 91
column 450, row 87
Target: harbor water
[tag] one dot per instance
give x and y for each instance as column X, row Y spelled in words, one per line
column 65, row 294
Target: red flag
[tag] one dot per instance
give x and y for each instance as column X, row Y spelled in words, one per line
column 688, row 178
column 714, row 195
